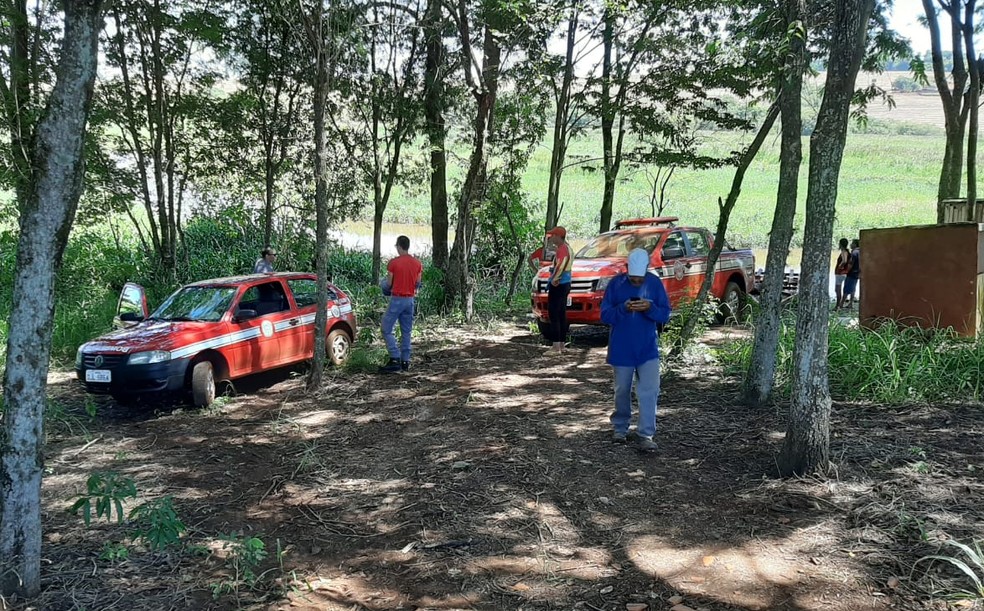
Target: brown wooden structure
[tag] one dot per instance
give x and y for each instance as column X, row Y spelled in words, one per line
column 930, row 275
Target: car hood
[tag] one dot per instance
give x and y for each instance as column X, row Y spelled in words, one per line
column 150, row 335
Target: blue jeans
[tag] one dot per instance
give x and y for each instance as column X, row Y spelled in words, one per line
column 647, row 392
column 400, row 309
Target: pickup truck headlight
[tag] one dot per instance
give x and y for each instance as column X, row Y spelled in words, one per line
column 78, row 358
column 148, row 358
column 603, row 283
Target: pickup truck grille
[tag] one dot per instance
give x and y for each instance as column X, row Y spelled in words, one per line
column 578, row 285
column 108, row 360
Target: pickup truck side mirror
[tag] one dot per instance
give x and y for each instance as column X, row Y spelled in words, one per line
column 244, row 314
column 131, row 317
column 672, row 252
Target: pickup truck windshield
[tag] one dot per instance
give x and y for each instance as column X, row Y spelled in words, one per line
column 201, row 303
column 617, row 245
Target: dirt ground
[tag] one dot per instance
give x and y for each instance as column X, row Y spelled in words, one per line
column 485, row 479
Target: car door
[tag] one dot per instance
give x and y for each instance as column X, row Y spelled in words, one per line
column 695, row 263
column 673, row 252
column 305, row 294
column 261, row 309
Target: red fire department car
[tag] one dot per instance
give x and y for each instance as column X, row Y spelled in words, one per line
column 212, row 331
column 678, row 257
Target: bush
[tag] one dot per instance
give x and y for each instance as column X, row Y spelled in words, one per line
column 905, row 84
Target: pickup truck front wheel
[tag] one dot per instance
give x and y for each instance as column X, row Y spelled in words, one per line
column 734, row 305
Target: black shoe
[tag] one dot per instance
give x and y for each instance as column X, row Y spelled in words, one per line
column 392, row 366
column 405, row 365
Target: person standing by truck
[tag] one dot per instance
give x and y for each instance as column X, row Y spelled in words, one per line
column 841, row 268
column 634, row 304
column 853, row 275
column 559, row 287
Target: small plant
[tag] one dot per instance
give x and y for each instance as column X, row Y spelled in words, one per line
column 973, row 567
column 157, row 523
column 114, row 552
column 245, row 556
column 105, row 491
column 91, row 407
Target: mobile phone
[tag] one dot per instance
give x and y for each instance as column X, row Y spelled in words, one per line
column 635, row 298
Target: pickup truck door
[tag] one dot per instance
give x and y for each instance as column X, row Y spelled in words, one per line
column 673, row 256
column 695, row 264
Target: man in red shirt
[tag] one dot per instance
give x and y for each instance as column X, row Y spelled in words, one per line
column 404, row 274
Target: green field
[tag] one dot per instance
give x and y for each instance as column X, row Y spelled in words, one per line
column 886, row 180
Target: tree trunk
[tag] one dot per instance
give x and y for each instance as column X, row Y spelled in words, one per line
column 807, row 445
column 722, row 227
column 270, row 177
column 607, row 119
column 562, row 126
column 955, row 113
column 760, row 377
column 436, row 132
column 321, row 86
column 46, row 219
column 973, row 97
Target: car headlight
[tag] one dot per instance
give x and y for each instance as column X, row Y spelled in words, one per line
column 78, row 358
column 148, row 358
column 603, row 284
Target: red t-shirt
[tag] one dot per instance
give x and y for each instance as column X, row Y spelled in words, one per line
column 406, row 271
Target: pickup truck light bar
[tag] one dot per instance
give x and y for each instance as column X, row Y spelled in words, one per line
column 647, row 222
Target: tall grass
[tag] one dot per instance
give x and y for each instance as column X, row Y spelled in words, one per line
column 892, row 364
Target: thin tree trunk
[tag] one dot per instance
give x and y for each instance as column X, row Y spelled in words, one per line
column 46, row 219
column 807, row 444
column 760, row 377
column 724, row 215
column 955, row 117
column 562, row 127
column 436, row 132
column 607, row 119
column 973, row 97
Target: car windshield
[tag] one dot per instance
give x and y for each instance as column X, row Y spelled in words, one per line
column 199, row 303
column 617, row 245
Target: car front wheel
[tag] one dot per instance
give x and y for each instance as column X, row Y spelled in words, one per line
column 339, row 346
column 203, row 384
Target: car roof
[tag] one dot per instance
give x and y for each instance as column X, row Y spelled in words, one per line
column 251, row 278
column 648, row 230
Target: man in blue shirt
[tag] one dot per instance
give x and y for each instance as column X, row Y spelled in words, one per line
column 633, row 305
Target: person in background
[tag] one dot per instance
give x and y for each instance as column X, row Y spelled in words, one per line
column 540, row 257
column 634, row 304
column 264, row 265
column 559, row 287
column 403, row 279
column 853, row 275
column 841, row 268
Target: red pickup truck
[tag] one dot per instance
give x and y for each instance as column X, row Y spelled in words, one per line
column 678, row 257
column 211, row 331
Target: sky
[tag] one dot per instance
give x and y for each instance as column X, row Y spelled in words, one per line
column 905, row 20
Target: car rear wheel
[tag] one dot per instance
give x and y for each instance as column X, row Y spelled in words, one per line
column 734, row 304
column 203, row 384
column 339, row 346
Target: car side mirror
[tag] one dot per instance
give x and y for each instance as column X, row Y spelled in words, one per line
column 131, row 317
column 244, row 314
column 672, row 252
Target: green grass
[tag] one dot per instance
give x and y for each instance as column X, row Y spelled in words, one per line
column 886, row 180
column 889, row 365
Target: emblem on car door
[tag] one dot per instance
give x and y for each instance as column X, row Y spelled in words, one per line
column 266, row 327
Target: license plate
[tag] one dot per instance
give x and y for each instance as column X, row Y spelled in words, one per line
column 98, row 375
column 568, row 301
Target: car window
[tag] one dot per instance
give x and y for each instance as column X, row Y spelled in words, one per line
column 673, row 247
column 698, row 243
column 198, row 303
column 266, row 298
column 305, row 292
